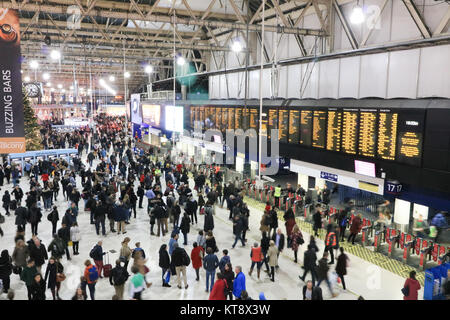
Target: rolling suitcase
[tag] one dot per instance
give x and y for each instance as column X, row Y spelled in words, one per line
column 107, row 268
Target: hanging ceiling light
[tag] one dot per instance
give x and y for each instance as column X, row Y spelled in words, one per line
column 49, row 84
column 181, row 61
column 27, row 79
column 149, row 69
column 236, row 46
column 34, row 64
column 357, row 16
column 112, row 78
column 46, row 76
column 127, row 74
column 55, row 55
column 60, row 86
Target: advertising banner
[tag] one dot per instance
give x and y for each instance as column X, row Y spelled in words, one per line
column 136, row 114
column 12, row 134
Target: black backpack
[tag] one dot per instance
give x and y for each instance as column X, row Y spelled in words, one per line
column 186, row 259
column 121, row 276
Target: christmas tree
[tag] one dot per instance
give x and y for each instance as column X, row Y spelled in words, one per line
column 32, row 128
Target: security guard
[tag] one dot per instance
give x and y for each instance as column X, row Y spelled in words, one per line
column 277, row 195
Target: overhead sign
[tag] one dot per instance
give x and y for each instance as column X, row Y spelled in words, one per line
column 12, row 133
column 329, row 176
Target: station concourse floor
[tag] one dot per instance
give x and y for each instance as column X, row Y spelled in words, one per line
column 364, row 278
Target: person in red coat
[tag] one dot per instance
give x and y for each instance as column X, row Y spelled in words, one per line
column 355, row 228
column 414, row 286
column 197, row 255
column 218, row 290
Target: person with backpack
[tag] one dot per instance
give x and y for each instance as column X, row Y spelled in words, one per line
column 185, row 226
column 91, row 275
column 180, row 260
column 439, row 222
column 342, row 220
column 119, row 275
column 411, row 287
column 210, row 263
column 53, row 217
column 164, row 264
column 64, row 235
column 209, row 219
column 309, row 264
column 97, row 255
column 56, row 247
column 224, row 260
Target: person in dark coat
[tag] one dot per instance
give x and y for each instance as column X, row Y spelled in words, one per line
column 6, row 202
column 273, row 221
column 278, row 238
column 164, row 264
column 54, row 218
column 64, row 235
column 310, row 292
column 322, row 273
column 38, row 252
column 185, row 227
column 53, row 268
column 309, row 264
column 228, row 275
column 209, row 219
column 355, row 228
column 37, row 288
column 317, row 219
column 238, row 229
column 341, row 266
column 34, row 218
column 5, row 269
column 21, row 216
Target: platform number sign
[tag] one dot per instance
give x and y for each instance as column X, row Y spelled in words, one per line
column 393, row 187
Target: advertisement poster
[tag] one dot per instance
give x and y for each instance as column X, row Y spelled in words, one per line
column 136, row 115
column 174, row 119
column 151, row 115
column 12, row 134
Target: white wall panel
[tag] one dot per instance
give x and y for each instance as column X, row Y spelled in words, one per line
column 223, row 87
column 403, row 73
column 233, row 85
column 434, row 75
column 241, row 87
column 294, row 74
column 373, row 75
column 254, row 84
column 310, row 80
column 349, row 77
column 283, row 83
column 329, row 79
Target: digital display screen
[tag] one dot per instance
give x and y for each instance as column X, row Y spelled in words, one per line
column 367, row 133
column 306, row 127
column 151, row 115
column 218, row 118
column 174, row 119
column 238, row 118
column 350, row 131
column 283, row 125
column 224, row 119
column 334, row 130
column 409, row 144
column 365, row 168
column 319, row 127
column 209, row 118
column 230, row 119
column 387, row 134
column 254, row 118
column 294, row 123
column 273, row 120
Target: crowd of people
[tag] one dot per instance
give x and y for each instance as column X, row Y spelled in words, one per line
column 116, row 178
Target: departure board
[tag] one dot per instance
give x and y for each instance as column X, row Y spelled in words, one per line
column 273, row 121
column 202, row 117
column 254, row 118
column 306, row 127
column 350, row 131
column 238, row 118
column 224, row 119
column 319, row 129
column 264, row 127
column 367, row 133
column 218, row 118
column 230, row 119
column 387, row 134
column 410, row 133
column 209, row 117
column 245, row 118
column 334, row 130
column 283, row 125
column 294, row 122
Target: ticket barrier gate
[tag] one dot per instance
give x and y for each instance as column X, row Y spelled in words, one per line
column 298, row 205
column 407, row 244
column 393, row 238
column 427, row 247
column 379, row 239
column 365, row 235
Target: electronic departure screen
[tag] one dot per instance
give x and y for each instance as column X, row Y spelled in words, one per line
column 367, row 133
column 238, row 118
column 209, row 118
column 273, row 121
column 218, row 118
column 202, row 117
column 294, row 122
column 410, row 129
column 334, row 130
column 350, row 131
column 319, row 127
column 306, row 127
column 283, row 125
column 254, row 118
column 387, row 134
column 230, row 119
column 224, row 119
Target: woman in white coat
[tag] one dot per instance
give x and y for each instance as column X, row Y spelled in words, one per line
column 75, row 236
